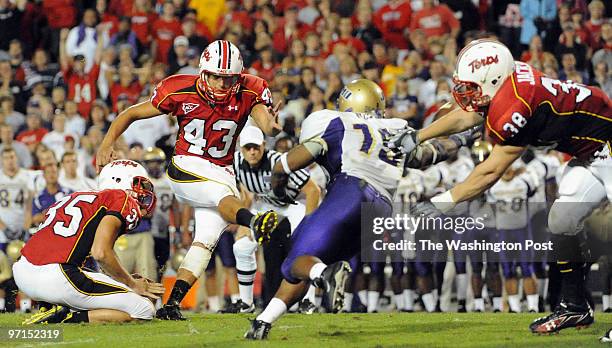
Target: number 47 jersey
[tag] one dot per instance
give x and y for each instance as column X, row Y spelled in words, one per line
column 68, row 232
column 533, row 109
column 206, row 129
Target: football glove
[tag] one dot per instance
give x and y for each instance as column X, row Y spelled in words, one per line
column 404, row 141
column 426, row 209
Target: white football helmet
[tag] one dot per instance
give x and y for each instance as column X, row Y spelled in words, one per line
column 221, row 58
column 130, row 176
column 482, row 67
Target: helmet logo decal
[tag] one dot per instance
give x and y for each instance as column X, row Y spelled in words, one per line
column 124, row 163
column 189, row 107
column 346, row 93
column 479, row 63
column 206, row 55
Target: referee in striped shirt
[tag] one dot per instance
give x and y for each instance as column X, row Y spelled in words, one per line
column 253, row 167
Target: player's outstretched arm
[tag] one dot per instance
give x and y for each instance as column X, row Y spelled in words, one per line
column 266, row 119
column 118, row 126
column 102, row 251
column 487, row 173
column 455, row 121
column 440, row 149
column 297, row 158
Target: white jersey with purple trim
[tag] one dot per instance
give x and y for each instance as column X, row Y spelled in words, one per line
column 160, row 221
column 354, row 145
column 454, row 173
column 510, row 199
column 14, row 192
column 410, row 189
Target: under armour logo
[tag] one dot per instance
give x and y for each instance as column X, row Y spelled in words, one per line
column 232, row 107
column 189, row 107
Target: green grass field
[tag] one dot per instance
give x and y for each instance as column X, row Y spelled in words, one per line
column 325, row 330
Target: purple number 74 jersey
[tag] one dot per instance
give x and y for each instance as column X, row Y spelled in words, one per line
column 354, row 145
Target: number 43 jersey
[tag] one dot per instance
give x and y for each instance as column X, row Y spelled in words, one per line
column 206, row 129
column 68, row 232
column 533, row 109
column 355, row 146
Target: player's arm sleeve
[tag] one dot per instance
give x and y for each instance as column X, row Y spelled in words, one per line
column 505, row 122
column 262, row 92
column 162, row 98
column 121, row 205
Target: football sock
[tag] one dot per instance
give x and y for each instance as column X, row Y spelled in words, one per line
column 318, row 300
column 234, row 297
column 363, row 297
column 348, row 301
column 542, row 287
column 213, row 303
column 373, row 297
column 497, row 303
column 3, row 304
column 316, row 270
column 429, row 301
column 310, row 294
column 244, row 217
column 77, row 317
column 479, row 304
column 25, row 304
column 273, row 311
column 399, row 301
column 409, row 296
column 246, row 267
column 178, row 292
column 532, row 302
column 570, row 262
column 462, row 285
column 514, row 302
column 605, row 301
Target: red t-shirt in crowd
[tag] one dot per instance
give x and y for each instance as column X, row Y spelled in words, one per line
column 60, row 13
column 164, row 33
column 132, row 92
column 435, row 21
column 82, row 88
column 392, row 21
column 30, row 137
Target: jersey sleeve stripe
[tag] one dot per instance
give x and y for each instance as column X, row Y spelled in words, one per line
column 493, row 130
column 552, row 108
column 518, row 96
column 169, row 94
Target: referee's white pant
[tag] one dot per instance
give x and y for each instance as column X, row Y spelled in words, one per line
column 70, row 286
column 294, row 212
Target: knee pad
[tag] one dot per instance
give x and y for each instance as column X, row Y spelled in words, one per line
column 208, row 226
column 244, row 251
column 196, row 260
column 565, row 218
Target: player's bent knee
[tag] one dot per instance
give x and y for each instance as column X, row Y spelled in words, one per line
column 562, row 220
column 196, row 259
column 286, row 271
column 244, row 251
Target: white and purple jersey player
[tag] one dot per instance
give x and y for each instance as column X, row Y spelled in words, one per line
column 360, row 170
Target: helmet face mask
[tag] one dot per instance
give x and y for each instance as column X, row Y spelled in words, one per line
column 220, row 70
column 468, row 95
column 363, row 97
column 142, row 188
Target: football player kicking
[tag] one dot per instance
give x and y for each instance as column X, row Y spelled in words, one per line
column 83, row 223
column 520, row 106
column 211, row 108
column 349, row 145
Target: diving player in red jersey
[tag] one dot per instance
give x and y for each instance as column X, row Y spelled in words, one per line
column 521, row 107
column 211, row 109
column 83, row 223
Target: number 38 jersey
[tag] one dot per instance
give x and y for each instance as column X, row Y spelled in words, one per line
column 533, row 109
column 68, row 232
column 354, row 145
column 206, row 129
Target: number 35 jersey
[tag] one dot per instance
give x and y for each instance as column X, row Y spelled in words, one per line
column 354, row 145
column 68, row 232
column 206, row 129
column 533, row 109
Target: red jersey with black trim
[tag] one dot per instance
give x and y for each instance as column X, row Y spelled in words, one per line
column 68, row 232
column 533, row 109
column 206, row 129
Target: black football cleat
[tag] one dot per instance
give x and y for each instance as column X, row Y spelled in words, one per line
column 263, row 224
column 461, row 307
column 566, row 315
column 169, row 312
column 238, row 307
column 332, row 282
column 307, row 307
column 54, row 315
column 259, row 330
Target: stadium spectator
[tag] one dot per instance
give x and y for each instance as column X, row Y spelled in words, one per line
column 10, row 18
column 143, row 17
column 40, row 66
column 9, row 85
column 436, row 20
column 108, row 21
column 126, row 36
column 427, row 93
column 126, row 85
column 8, row 113
column 23, row 153
column 71, row 176
column 604, row 54
column 83, row 39
column 81, row 81
column 34, row 132
column 177, row 57
column 537, row 18
column 52, row 193
column 402, row 104
column 393, row 21
column 57, row 137
column 165, row 29
column 364, row 29
column 597, row 10
column 190, row 31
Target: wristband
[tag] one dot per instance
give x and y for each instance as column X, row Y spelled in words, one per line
column 283, row 161
column 444, row 201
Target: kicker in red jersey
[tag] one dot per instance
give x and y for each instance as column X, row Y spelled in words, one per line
column 206, row 129
column 67, row 234
column 533, row 109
